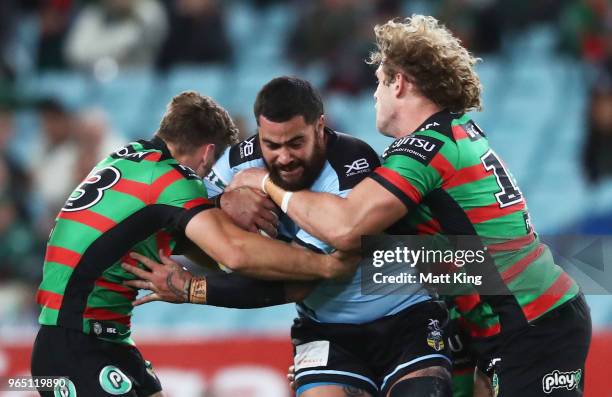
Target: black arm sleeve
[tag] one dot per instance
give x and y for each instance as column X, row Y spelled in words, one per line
column 235, row 291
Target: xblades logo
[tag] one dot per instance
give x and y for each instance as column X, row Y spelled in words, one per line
column 559, row 380
column 246, row 148
column 357, row 167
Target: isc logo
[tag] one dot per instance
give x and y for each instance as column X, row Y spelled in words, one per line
column 357, row 166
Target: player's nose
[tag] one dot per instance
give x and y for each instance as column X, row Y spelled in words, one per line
column 284, row 157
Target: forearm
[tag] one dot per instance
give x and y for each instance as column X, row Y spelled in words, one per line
column 269, row 259
column 236, row 291
column 253, row 254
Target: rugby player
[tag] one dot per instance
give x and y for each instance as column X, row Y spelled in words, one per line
column 144, row 198
column 346, row 343
column 440, row 176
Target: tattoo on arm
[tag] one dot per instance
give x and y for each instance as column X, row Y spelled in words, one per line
column 350, row 391
column 180, row 293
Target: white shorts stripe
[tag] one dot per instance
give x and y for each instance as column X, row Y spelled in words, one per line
column 331, row 372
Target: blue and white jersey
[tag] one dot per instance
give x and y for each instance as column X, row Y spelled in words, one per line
column 349, row 161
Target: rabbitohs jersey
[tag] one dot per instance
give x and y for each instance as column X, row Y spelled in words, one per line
column 453, row 183
column 137, row 199
column 349, row 161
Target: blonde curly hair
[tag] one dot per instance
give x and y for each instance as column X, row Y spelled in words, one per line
column 429, row 56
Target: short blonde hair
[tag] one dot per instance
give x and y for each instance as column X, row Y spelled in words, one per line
column 433, row 59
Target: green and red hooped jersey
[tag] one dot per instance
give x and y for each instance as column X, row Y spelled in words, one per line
column 137, row 199
column 453, row 183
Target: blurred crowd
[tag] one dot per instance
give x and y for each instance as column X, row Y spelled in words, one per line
column 94, row 36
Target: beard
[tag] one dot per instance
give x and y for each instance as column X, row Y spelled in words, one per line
column 311, row 169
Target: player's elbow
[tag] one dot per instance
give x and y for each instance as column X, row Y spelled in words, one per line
column 345, row 239
column 235, row 258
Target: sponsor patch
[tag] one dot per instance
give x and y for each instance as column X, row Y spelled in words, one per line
column 422, row 148
column 358, row 166
column 131, row 154
column 65, row 389
column 312, row 354
column 561, row 380
column 244, row 151
column 113, row 381
column 186, row 171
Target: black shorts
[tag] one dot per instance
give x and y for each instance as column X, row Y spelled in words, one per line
column 545, row 358
column 370, row 356
column 94, row 367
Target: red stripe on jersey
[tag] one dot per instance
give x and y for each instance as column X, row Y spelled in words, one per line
column 89, row 218
column 482, row 214
column 400, row 182
column 465, row 303
column 196, row 202
column 430, row 227
column 459, row 132
column 516, row 269
column 126, row 291
column 478, row 332
column 153, row 156
column 135, row 189
column 512, row 245
column 62, row 256
column 106, row 315
column 542, row 303
column 129, row 260
column 163, row 182
column 163, row 242
column 49, row 299
column 463, row 371
column 443, row 166
column 466, row 175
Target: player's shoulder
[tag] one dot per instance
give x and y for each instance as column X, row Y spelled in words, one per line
column 438, row 133
column 142, row 151
column 244, row 151
column 350, row 158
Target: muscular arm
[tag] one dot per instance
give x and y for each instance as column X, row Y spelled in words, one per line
column 257, row 256
column 368, row 209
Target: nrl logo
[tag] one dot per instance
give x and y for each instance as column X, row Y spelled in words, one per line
column 435, row 339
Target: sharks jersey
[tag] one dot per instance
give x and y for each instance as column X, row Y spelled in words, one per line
column 349, row 161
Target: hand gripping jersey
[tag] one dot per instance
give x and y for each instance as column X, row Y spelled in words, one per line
column 137, row 199
column 349, row 161
column 454, row 184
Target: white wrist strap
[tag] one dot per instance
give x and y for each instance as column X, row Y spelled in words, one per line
column 263, row 183
column 285, row 202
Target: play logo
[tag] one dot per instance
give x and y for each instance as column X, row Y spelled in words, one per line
column 561, row 380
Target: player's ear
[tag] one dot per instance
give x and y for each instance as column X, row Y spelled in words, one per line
column 400, row 85
column 208, row 154
column 320, row 125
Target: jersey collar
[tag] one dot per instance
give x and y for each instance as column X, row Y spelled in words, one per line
column 157, row 143
column 440, row 122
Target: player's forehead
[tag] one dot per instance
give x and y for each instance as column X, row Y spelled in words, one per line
column 282, row 132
